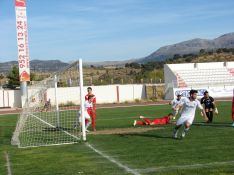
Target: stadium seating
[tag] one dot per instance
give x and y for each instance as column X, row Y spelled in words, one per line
column 210, row 76
column 194, row 77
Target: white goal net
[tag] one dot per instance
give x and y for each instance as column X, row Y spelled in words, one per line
column 50, row 113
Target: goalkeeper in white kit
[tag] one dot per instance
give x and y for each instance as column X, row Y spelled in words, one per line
column 189, row 106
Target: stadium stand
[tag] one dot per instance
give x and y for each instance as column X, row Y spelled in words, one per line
column 197, row 75
column 204, row 76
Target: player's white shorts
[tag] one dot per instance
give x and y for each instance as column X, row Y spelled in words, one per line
column 184, row 119
column 86, row 115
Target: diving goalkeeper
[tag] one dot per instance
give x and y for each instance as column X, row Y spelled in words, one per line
column 157, row 121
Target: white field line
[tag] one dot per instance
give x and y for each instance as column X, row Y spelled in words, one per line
column 25, row 147
column 192, row 166
column 8, row 164
column 55, row 127
column 126, row 168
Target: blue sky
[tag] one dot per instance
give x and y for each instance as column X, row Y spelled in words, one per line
column 98, row 30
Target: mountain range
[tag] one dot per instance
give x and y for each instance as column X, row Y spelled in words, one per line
column 36, row 65
column 190, row 47
column 186, row 47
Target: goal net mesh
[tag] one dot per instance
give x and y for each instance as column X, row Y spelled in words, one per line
column 50, row 114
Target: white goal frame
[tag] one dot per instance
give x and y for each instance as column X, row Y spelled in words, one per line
column 27, row 115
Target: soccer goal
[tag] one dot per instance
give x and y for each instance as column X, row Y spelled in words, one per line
column 50, row 112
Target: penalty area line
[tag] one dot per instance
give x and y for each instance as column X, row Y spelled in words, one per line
column 176, row 167
column 120, row 165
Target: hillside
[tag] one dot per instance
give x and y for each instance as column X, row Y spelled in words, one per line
column 36, row 65
column 220, row 55
column 190, row 47
column 186, row 47
column 151, row 72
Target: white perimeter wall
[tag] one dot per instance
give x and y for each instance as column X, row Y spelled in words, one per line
column 104, row 94
column 131, row 92
column 10, row 98
column 169, row 76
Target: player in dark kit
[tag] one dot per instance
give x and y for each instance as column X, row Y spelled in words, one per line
column 209, row 104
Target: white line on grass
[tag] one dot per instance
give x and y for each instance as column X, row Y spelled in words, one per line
column 8, row 164
column 169, row 168
column 55, row 127
column 126, row 168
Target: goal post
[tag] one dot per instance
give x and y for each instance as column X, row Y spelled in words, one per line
column 82, row 100
column 50, row 115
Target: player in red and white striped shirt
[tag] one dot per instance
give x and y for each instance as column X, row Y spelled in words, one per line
column 92, row 110
column 87, row 105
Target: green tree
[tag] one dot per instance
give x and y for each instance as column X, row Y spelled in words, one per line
column 33, row 76
column 13, row 76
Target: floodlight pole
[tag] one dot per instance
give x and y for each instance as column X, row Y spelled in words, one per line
column 82, row 100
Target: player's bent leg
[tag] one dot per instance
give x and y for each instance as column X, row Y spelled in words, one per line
column 147, row 121
column 211, row 116
column 186, row 129
column 175, row 131
column 93, row 117
column 179, row 123
column 87, row 120
column 138, row 123
column 208, row 115
column 87, row 124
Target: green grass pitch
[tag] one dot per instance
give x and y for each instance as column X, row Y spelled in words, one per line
column 207, row 149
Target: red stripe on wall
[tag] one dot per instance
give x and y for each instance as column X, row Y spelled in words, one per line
column 117, row 93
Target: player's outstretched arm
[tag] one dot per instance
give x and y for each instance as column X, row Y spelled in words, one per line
column 177, row 107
